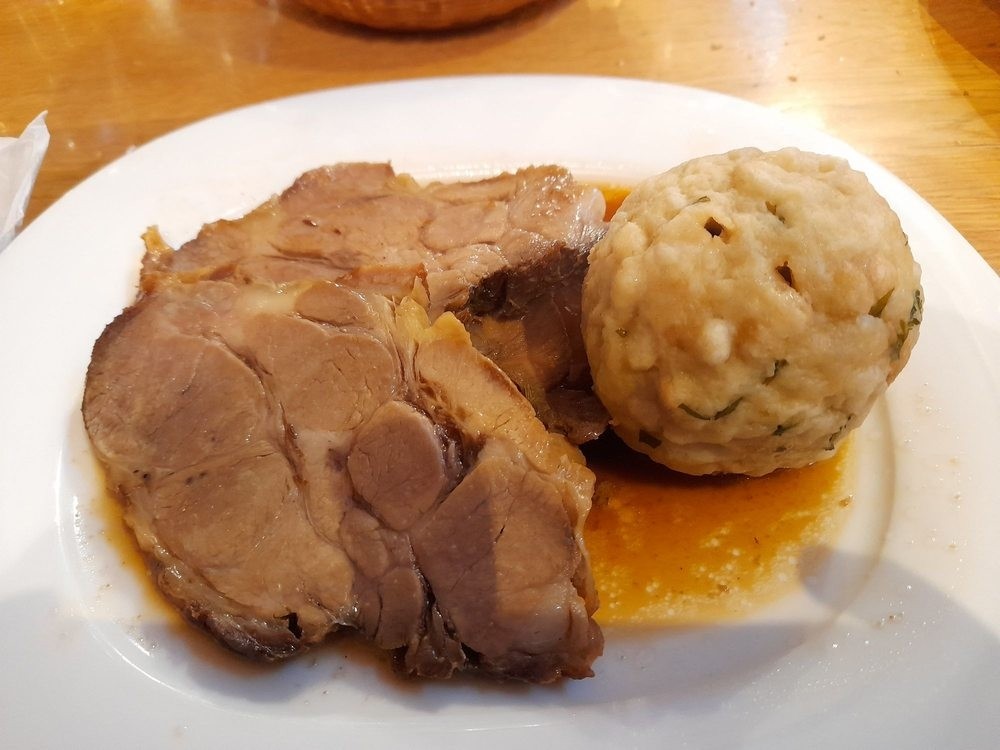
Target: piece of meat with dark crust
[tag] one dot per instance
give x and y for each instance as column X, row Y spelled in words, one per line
column 507, row 254
column 527, row 320
column 301, row 458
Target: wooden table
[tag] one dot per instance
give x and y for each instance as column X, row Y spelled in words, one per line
column 914, row 84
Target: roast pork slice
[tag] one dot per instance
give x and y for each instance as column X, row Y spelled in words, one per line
column 299, row 458
column 508, row 254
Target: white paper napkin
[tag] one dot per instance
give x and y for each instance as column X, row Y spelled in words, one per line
column 20, row 159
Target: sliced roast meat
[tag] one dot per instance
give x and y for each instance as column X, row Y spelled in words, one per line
column 301, row 458
column 508, row 254
column 527, row 320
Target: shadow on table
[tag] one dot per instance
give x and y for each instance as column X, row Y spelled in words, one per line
column 977, row 31
column 975, row 25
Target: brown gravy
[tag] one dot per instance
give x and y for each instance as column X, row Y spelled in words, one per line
column 108, row 509
column 613, row 197
column 667, row 548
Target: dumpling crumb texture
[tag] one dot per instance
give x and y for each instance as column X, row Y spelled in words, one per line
column 745, row 310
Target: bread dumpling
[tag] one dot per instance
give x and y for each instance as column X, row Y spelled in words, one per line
column 745, row 310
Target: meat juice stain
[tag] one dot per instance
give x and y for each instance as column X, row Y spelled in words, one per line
column 156, row 608
column 613, row 197
column 153, row 607
column 119, row 537
column 669, row 549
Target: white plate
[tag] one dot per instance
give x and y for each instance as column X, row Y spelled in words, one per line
column 896, row 643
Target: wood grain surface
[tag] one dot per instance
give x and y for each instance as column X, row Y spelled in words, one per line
column 914, row 84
